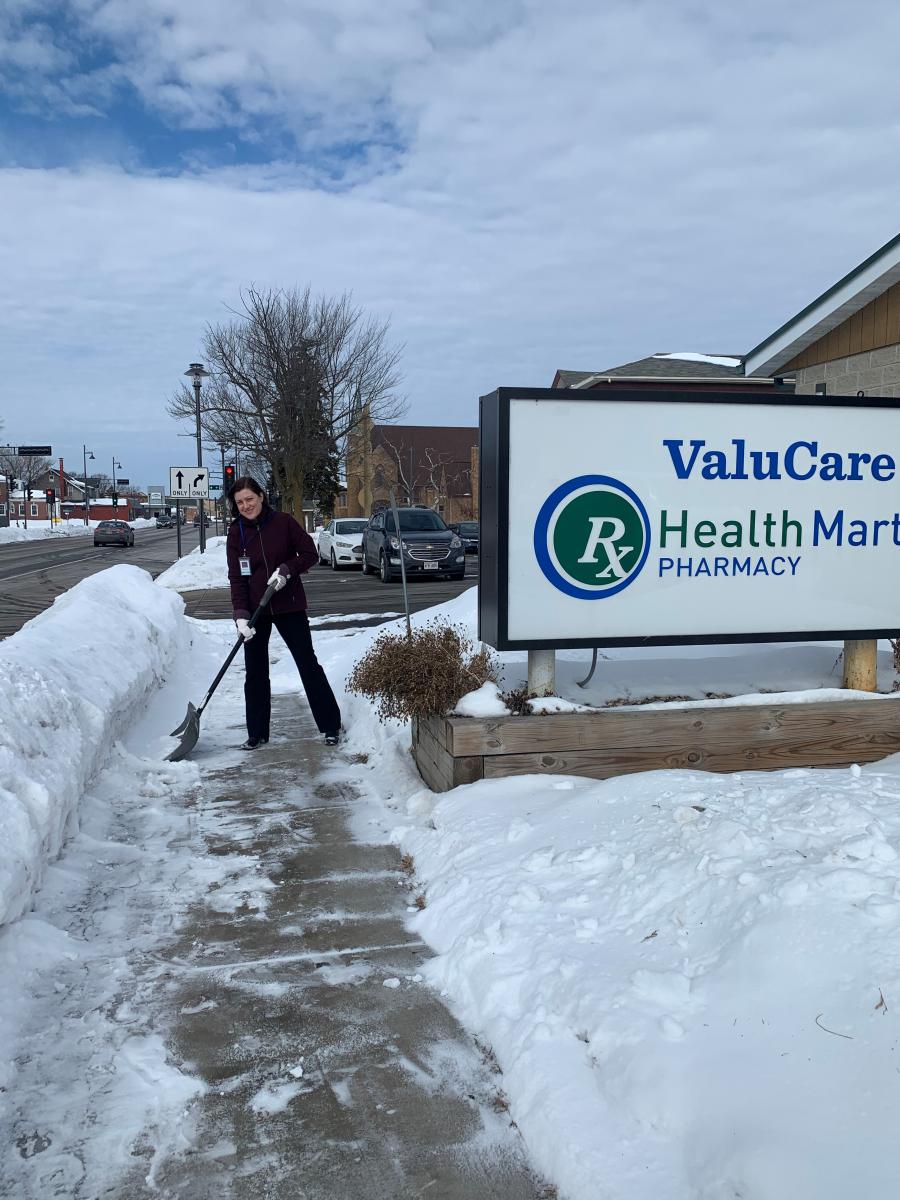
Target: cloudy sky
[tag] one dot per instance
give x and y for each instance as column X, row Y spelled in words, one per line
column 518, row 186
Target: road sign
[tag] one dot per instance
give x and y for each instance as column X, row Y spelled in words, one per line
column 189, row 483
column 26, row 451
column 123, row 482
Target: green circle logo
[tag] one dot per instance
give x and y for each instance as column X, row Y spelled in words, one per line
column 592, row 536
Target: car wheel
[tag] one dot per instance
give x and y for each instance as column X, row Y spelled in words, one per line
column 334, row 562
column 385, row 569
column 366, row 569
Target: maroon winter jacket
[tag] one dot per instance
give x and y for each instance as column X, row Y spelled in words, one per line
column 275, row 540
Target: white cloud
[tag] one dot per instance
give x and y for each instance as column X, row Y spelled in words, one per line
column 570, row 186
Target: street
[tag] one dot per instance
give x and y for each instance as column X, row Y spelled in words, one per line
column 33, row 574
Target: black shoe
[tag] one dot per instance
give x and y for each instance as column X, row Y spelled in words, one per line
column 254, row 743
column 332, row 739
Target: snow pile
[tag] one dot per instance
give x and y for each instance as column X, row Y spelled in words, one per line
column 196, row 571
column 39, row 530
column 685, row 977
column 45, row 529
column 73, row 679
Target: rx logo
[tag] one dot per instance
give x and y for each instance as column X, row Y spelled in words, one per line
column 592, row 537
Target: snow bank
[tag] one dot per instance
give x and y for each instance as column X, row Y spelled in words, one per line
column 196, row 571
column 73, row 678
column 44, row 529
column 685, row 977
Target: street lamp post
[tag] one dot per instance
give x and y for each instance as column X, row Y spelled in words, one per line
column 86, row 454
column 197, row 374
column 114, row 465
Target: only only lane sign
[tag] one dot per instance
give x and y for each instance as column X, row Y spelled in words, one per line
column 189, row 483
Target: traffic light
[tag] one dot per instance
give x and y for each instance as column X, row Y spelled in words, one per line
column 229, row 475
column 51, row 495
column 115, row 498
column 27, row 491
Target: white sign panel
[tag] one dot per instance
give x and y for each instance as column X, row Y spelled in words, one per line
column 630, row 520
column 189, row 483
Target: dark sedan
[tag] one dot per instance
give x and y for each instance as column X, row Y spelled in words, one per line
column 427, row 545
column 468, row 535
column 113, row 533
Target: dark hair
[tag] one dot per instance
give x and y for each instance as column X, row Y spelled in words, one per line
column 240, row 485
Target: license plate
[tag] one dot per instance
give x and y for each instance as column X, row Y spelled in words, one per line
column 430, row 566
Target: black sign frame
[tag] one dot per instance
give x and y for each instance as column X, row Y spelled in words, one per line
column 494, row 507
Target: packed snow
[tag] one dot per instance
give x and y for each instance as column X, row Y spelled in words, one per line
column 689, row 981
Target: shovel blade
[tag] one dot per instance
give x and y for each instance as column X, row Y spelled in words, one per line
column 188, row 731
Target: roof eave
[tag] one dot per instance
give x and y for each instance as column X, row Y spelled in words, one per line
column 844, row 298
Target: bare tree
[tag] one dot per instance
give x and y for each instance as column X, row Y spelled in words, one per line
column 291, row 376
column 23, row 468
column 403, row 458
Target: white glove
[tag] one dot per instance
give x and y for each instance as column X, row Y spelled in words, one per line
column 245, row 629
column 277, row 579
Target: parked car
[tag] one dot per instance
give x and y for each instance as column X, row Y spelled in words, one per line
column 164, row 521
column 428, row 546
column 468, row 535
column 206, row 521
column 113, row 533
column 340, row 542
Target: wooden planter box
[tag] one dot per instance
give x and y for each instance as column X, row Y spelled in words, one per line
column 751, row 737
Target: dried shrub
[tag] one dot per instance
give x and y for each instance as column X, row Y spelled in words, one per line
column 517, row 700
column 423, row 675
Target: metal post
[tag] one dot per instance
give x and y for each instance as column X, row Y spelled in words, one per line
column 84, row 481
column 402, row 563
column 200, row 464
column 178, row 527
column 197, row 374
column 542, row 672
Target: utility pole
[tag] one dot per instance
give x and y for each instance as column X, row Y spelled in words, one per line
column 197, row 374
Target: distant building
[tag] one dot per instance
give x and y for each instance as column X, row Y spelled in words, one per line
column 683, row 372
column 846, row 342
column 434, row 465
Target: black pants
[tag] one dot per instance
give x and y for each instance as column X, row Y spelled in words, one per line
column 294, row 628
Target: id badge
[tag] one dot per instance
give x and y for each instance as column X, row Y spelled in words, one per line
column 245, row 566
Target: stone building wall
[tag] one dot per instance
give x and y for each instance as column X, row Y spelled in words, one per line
column 875, row 372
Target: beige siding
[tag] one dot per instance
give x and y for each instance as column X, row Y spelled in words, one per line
column 875, row 326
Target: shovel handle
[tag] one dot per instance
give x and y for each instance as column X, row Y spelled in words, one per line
column 263, row 604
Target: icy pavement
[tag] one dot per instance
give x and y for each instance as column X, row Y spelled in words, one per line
column 219, row 998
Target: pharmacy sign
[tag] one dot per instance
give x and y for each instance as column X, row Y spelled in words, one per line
column 653, row 517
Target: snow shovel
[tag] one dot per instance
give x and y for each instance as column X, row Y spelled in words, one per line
column 189, row 729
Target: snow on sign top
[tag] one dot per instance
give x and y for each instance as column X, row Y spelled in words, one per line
column 189, row 483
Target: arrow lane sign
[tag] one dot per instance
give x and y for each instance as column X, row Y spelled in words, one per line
column 189, row 483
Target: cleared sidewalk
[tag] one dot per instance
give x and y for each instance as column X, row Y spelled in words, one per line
column 332, row 1070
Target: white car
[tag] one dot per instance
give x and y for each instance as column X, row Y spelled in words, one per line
column 340, row 542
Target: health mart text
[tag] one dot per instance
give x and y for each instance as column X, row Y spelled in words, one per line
column 781, row 530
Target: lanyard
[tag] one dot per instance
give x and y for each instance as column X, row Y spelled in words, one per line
column 258, row 532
